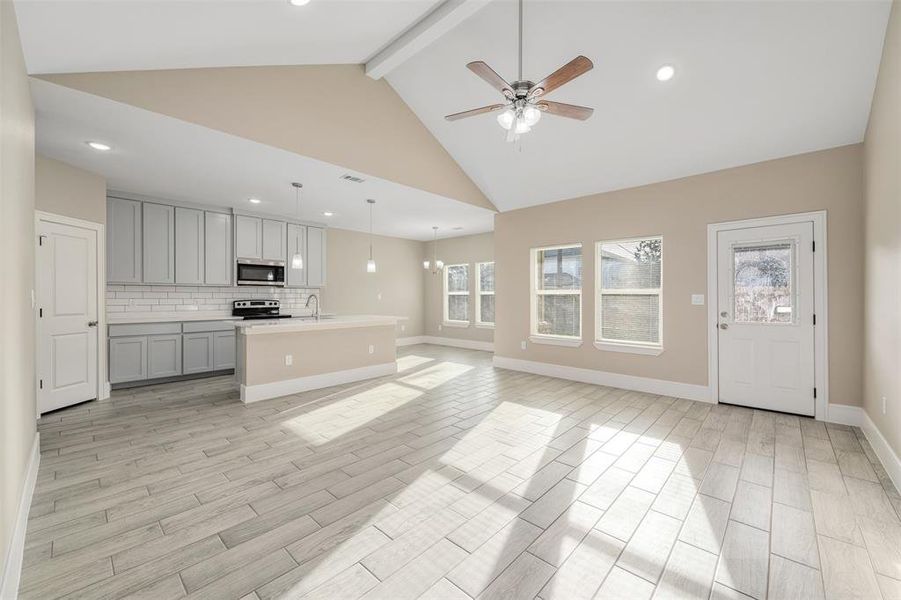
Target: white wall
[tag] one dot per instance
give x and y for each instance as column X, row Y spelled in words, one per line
column 17, row 393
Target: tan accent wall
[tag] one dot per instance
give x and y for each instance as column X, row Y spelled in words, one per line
column 334, row 113
column 315, row 353
column 882, row 177
column 680, row 211
column 394, row 289
column 470, row 249
column 65, row 190
column 17, row 393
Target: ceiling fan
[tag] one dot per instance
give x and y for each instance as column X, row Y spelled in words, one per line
column 524, row 100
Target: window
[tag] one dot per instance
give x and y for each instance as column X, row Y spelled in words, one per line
column 456, row 295
column 762, row 283
column 629, row 295
column 485, row 294
column 557, row 295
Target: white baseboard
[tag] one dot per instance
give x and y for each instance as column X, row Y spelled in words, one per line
column 881, row 447
column 265, row 391
column 844, row 414
column 12, row 565
column 675, row 389
column 411, row 341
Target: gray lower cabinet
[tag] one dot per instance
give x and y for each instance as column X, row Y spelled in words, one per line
column 127, row 358
column 157, row 350
column 223, row 350
column 197, row 352
column 163, row 356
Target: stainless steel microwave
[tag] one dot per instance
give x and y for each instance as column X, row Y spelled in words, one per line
column 261, row 272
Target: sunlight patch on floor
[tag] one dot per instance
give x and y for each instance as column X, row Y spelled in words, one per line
column 411, row 361
column 435, row 375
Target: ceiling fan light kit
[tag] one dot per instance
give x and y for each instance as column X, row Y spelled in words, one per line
column 524, row 100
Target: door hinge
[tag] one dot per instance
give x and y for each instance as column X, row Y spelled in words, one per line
column 813, row 245
column 814, row 392
column 814, row 318
column 40, row 313
column 41, row 383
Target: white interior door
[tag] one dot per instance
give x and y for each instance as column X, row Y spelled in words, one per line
column 765, row 309
column 67, row 315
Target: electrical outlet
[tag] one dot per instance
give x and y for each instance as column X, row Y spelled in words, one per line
column 439, row 327
column 883, row 405
column 379, row 296
column 697, row 299
column 403, row 328
column 371, row 349
column 289, row 360
column 522, row 345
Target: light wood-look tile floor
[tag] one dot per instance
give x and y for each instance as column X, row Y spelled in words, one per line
column 454, row 480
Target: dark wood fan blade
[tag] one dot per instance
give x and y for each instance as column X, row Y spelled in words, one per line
column 488, row 74
column 474, row 112
column 577, row 66
column 570, row 111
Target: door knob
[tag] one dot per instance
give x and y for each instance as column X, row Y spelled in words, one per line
column 92, row 323
column 724, row 326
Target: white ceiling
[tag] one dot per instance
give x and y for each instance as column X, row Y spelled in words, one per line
column 754, row 81
column 68, row 36
column 166, row 158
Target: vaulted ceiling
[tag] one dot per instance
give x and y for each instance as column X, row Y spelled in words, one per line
column 754, row 80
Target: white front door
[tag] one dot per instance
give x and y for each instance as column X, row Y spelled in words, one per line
column 67, row 315
column 765, row 309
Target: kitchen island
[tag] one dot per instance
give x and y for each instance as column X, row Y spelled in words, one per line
column 281, row 357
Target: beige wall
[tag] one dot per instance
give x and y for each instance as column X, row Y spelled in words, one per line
column 882, row 177
column 65, row 190
column 333, row 113
column 314, row 353
column 680, row 211
column 470, row 249
column 394, row 289
column 17, row 394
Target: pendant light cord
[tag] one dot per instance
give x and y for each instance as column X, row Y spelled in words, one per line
column 370, row 230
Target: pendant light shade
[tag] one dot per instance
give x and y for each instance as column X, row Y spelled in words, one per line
column 370, row 264
column 297, row 258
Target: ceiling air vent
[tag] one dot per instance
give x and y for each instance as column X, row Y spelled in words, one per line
column 353, row 178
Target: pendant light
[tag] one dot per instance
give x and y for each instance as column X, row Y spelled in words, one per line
column 297, row 259
column 370, row 264
column 434, row 265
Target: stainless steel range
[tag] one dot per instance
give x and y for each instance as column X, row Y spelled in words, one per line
column 258, row 309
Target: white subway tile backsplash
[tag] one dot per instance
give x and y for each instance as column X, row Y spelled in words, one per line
column 168, row 298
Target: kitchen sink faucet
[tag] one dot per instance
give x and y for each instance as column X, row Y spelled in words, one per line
column 312, row 297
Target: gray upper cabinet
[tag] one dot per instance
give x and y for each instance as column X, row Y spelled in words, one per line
column 218, row 249
column 315, row 260
column 297, row 241
column 189, row 246
column 123, row 241
column 248, row 237
column 159, row 243
column 274, row 237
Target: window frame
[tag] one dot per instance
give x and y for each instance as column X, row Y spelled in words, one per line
column 534, row 292
column 479, row 293
column 446, row 321
column 632, row 347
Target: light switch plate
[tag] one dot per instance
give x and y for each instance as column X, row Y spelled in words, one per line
column 697, row 299
column 289, row 360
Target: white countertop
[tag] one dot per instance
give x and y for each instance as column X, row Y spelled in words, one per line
column 257, row 327
column 175, row 317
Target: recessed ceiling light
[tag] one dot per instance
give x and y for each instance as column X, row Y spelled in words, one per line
column 328, row 213
column 253, row 200
column 298, row 2
column 99, row 146
column 666, row 72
